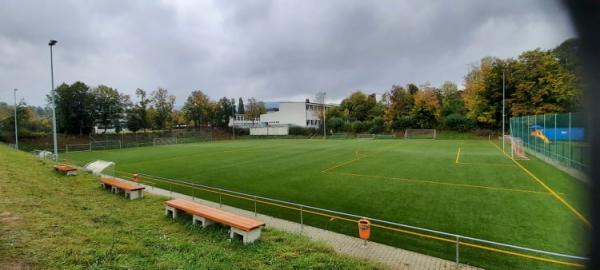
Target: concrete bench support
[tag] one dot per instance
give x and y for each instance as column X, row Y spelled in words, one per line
column 247, row 237
column 170, row 211
column 203, row 221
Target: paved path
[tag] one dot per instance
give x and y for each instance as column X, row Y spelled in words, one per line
column 393, row 257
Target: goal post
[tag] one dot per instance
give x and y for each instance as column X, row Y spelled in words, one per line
column 425, row 134
column 517, row 151
column 365, row 136
column 163, row 141
column 82, row 147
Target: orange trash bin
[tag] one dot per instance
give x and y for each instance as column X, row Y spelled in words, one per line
column 364, row 229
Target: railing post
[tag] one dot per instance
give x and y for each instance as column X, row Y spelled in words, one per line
column 301, row 219
column 457, row 251
column 255, row 213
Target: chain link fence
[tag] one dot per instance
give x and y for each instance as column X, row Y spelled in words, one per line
column 561, row 138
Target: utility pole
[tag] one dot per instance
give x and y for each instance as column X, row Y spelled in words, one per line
column 503, row 107
column 52, row 43
column 16, row 129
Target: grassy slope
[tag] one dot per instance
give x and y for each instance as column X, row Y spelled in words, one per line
column 56, row 222
column 292, row 170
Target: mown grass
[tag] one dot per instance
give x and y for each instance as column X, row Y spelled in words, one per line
column 417, row 183
column 48, row 221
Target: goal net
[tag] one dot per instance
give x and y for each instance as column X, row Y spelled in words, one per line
column 365, row 136
column 163, row 141
column 428, row 134
column 101, row 167
column 385, row 136
column 108, row 144
column 517, row 151
column 78, row 147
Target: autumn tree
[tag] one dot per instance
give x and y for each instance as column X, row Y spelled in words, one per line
column 162, row 104
column 255, row 109
column 196, row 108
column 426, row 111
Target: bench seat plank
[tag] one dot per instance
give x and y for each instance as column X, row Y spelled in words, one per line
column 121, row 184
column 217, row 215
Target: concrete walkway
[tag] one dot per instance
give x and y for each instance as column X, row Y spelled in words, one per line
column 393, row 257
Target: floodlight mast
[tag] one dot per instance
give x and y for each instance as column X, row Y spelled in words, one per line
column 503, row 107
column 51, row 44
column 16, row 129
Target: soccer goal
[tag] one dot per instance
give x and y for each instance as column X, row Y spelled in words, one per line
column 426, row 134
column 163, row 141
column 517, row 151
column 83, row 147
column 385, row 136
column 108, row 144
column 365, row 136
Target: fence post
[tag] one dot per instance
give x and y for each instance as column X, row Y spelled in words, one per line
column 220, row 199
column 90, row 146
column 457, row 250
column 555, row 145
column 545, row 144
column 255, row 213
column 301, row 219
column 570, row 146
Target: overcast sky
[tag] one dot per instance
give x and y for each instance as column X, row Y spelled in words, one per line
column 271, row 50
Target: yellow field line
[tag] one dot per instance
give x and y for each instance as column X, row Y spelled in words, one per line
column 484, row 164
column 458, row 156
column 554, row 193
column 443, row 239
column 442, row 183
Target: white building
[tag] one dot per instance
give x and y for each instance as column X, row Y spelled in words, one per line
column 290, row 113
column 303, row 114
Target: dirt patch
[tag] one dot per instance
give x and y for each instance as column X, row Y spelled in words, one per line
column 8, row 218
column 14, row 266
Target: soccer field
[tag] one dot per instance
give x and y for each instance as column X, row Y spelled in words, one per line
column 467, row 187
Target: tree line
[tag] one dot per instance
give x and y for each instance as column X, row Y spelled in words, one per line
column 80, row 108
column 536, row 82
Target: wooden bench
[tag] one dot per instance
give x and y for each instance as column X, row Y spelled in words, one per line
column 131, row 191
column 249, row 229
column 65, row 169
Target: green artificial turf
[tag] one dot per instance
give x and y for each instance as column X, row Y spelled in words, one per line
column 49, row 221
column 415, row 182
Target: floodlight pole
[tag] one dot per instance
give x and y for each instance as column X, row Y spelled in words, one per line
column 52, row 43
column 324, row 117
column 503, row 106
column 16, row 129
column 233, row 116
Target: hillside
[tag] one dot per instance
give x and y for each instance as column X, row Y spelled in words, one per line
column 49, row 221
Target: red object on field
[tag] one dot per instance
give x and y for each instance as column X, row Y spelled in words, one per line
column 364, row 229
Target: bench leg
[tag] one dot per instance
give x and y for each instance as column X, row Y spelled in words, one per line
column 135, row 194
column 170, row 211
column 247, row 237
column 203, row 221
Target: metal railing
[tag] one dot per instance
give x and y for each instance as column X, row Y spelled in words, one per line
column 456, row 239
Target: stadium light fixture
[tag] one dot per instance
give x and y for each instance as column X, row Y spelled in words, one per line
column 51, row 44
column 16, row 129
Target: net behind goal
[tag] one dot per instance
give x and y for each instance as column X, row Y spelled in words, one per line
column 428, row 134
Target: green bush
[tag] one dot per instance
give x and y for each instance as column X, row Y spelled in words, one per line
column 377, row 125
column 458, row 122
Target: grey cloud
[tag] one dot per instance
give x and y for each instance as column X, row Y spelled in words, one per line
column 267, row 49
